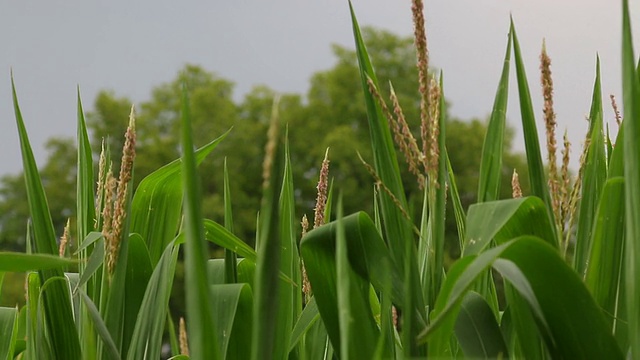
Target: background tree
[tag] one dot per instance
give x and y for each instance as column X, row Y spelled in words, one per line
column 330, row 115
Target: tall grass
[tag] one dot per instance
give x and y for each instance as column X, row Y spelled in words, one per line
column 363, row 285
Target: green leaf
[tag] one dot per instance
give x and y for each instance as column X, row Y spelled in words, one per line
column 358, row 331
column 267, row 285
column 200, row 322
column 20, row 262
column 631, row 95
column 220, row 236
column 505, row 219
column 233, row 308
column 605, row 256
column 9, row 331
column 57, row 303
column 477, row 329
column 537, row 178
column 398, row 229
column 369, row 259
column 85, row 204
column 493, row 147
column 290, row 297
column 572, row 322
column 96, row 259
column 154, row 214
column 307, row 318
column 230, row 257
column 99, row 325
column 458, row 210
column 437, row 213
column 593, row 179
column 139, row 271
column 147, row 336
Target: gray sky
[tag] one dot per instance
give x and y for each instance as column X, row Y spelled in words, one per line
column 131, row 46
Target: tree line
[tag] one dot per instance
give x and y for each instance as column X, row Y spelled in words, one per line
column 330, row 115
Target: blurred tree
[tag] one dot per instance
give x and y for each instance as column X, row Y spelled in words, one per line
column 331, row 115
column 59, row 181
column 108, row 122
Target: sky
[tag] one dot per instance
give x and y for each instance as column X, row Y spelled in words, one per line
column 131, row 46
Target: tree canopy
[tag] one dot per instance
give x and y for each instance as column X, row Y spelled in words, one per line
column 330, row 115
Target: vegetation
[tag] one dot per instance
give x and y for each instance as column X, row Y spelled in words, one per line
column 550, row 275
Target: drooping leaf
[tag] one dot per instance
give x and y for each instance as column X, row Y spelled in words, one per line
column 573, row 324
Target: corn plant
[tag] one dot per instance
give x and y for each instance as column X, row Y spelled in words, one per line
column 364, row 285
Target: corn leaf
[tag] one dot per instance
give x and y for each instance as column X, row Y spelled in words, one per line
column 200, row 322
column 572, row 321
column 9, row 331
column 436, row 248
column 233, row 308
column 99, row 325
column 368, row 258
column 220, row 236
column 358, row 331
column 85, row 209
column 398, row 229
column 154, row 214
column 147, row 336
column 477, row 329
column 458, row 210
column 493, row 147
column 290, row 297
column 593, row 179
column 20, row 262
column 537, row 178
column 230, row 257
column 605, row 256
column 631, row 95
column 505, row 219
column 57, row 303
column 139, row 271
column 307, row 318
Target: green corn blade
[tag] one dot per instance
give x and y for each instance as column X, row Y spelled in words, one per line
column 398, row 229
column 200, row 322
column 631, row 95
column 493, row 147
column 57, row 303
column 537, row 178
column 593, row 179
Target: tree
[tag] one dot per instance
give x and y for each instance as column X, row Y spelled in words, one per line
column 330, row 115
column 59, row 181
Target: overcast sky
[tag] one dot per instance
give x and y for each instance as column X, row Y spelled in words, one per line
column 131, row 46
